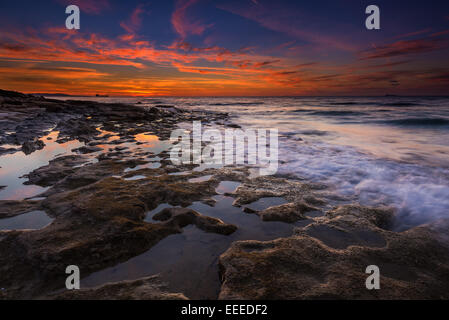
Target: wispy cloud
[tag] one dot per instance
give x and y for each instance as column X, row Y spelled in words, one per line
column 89, row 6
column 183, row 24
column 403, row 47
column 414, row 33
column 134, row 22
column 284, row 21
column 440, row 33
column 302, row 60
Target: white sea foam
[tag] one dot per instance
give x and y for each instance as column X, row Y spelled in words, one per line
column 420, row 193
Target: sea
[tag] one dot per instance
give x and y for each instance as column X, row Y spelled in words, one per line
column 389, row 151
column 377, row 151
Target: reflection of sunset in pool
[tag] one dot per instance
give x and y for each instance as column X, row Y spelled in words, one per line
column 14, row 166
column 148, row 141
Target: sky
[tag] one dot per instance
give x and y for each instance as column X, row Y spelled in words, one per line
column 225, row 48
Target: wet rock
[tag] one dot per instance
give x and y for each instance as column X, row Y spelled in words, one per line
column 268, row 186
column 12, row 94
column 166, row 108
column 150, row 288
column 249, row 210
column 98, row 219
column 11, row 208
column 288, row 212
column 34, row 262
column 87, row 149
column 55, row 171
column 97, row 225
column 4, row 151
column 54, row 107
column 380, row 217
column 181, row 217
column 104, row 157
column 327, row 260
column 31, row 146
column 76, row 128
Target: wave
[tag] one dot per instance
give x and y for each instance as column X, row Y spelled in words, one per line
column 343, row 103
column 419, row 122
column 337, row 113
column 237, row 104
column 314, row 133
column 401, row 104
column 301, row 110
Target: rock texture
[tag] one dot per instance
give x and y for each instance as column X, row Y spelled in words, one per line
column 98, row 214
column 100, row 210
column 11, row 208
column 181, row 217
column 150, row 288
column 328, row 259
column 288, row 212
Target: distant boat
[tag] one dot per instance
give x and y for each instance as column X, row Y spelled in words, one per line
column 102, row 95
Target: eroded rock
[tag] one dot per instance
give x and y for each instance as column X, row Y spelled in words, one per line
column 29, row 147
column 55, row 171
column 320, row 262
column 98, row 219
column 288, row 212
column 181, row 217
column 269, row 186
column 11, row 208
column 87, row 149
column 150, row 288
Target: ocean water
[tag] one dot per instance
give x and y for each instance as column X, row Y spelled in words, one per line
column 390, row 151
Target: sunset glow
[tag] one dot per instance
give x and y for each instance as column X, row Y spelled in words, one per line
column 209, row 48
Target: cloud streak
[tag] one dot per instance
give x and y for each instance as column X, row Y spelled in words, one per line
column 183, row 24
column 403, row 47
column 195, row 60
column 89, row 6
column 133, row 24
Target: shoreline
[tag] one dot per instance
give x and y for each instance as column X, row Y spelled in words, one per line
column 99, row 208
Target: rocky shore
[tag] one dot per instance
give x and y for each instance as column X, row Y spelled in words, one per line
column 99, row 196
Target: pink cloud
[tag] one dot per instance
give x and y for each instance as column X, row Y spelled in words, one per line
column 182, row 23
column 403, row 47
column 415, row 33
column 282, row 21
column 440, row 33
column 135, row 20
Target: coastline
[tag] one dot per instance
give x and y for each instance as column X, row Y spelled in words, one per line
column 99, row 216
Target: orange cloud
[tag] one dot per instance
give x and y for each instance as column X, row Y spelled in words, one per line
column 64, row 61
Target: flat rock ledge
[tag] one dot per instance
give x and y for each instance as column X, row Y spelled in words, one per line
column 178, row 218
column 328, row 258
column 149, row 288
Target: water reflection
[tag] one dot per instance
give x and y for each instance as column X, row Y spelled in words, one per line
column 188, row 262
column 13, row 166
column 28, row 221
